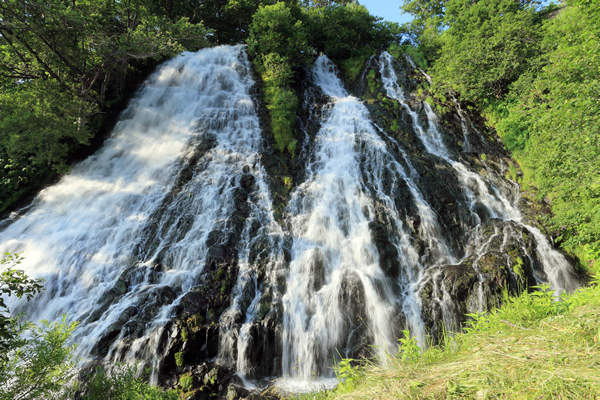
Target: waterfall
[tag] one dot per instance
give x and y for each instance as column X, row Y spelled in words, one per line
column 334, row 273
column 479, row 191
column 341, row 293
column 173, row 221
column 123, row 237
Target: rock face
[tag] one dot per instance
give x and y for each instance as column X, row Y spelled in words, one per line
column 200, row 292
column 491, row 256
column 505, row 260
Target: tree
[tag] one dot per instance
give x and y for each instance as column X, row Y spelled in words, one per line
column 84, row 46
column 13, row 282
column 35, row 361
column 62, row 63
column 40, row 363
column 346, row 31
column 279, row 43
column 487, row 46
column 279, row 29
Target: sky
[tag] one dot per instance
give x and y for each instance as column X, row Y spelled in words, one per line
column 388, row 10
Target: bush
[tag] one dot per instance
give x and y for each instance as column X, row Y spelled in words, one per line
column 123, row 383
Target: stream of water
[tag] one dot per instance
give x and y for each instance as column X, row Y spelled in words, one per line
column 129, row 232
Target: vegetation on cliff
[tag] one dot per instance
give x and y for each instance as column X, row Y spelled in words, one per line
column 533, row 72
column 284, row 37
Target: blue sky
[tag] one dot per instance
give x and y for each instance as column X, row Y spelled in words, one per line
column 388, row 10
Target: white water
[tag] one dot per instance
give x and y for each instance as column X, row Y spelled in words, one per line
column 333, row 251
column 331, row 239
column 476, row 188
column 81, row 234
column 125, row 210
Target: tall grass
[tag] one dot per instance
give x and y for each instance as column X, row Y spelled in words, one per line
column 532, row 348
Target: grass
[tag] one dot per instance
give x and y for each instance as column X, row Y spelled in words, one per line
column 531, row 348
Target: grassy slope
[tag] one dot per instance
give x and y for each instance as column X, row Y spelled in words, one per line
column 532, row 348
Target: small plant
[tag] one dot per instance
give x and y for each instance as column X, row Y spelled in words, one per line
column 409, row 347
column 371, row 81
column 184, row 334
column 518, row 267
column 186, row 381
column 179, row 359
column 287, row 181
column 477, row 323
column 348, row 375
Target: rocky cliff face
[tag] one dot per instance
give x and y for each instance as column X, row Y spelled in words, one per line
column 487, row 254
column 222, row 263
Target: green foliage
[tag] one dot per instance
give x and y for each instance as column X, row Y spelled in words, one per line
column 349, row 31
column 278, row 29
column 282, row 104
column 372, row 82
column 228, row 20
column 39, row 363
column 39, row 124
column 186, row 381
column 409, row 347
column 278, row 71
column 184, row 334
column 397, row 50
column 61, row 65
column 325, row 3
column 551, row 122
column 78, row 45
column 278, row 40
column 353, row 65
column 486, row 47
column 281, row 101
column 179, row 359
column 284, row 37
column 123, row 383
column 14, row 282
column 36, row 361
column 348, row 374
column 534, row 73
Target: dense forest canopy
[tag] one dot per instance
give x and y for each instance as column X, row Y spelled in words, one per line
column 62, row 64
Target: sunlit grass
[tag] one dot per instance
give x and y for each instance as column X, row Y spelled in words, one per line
column 532, row 348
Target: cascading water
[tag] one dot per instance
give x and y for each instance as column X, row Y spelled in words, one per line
column 479, row 191
column 124, row 236
column 166, row 239
column 334, row 263
column 341, row 292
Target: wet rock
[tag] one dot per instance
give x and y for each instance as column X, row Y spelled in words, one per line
column 388, row 254
column 235, row 392
column 504, row 259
